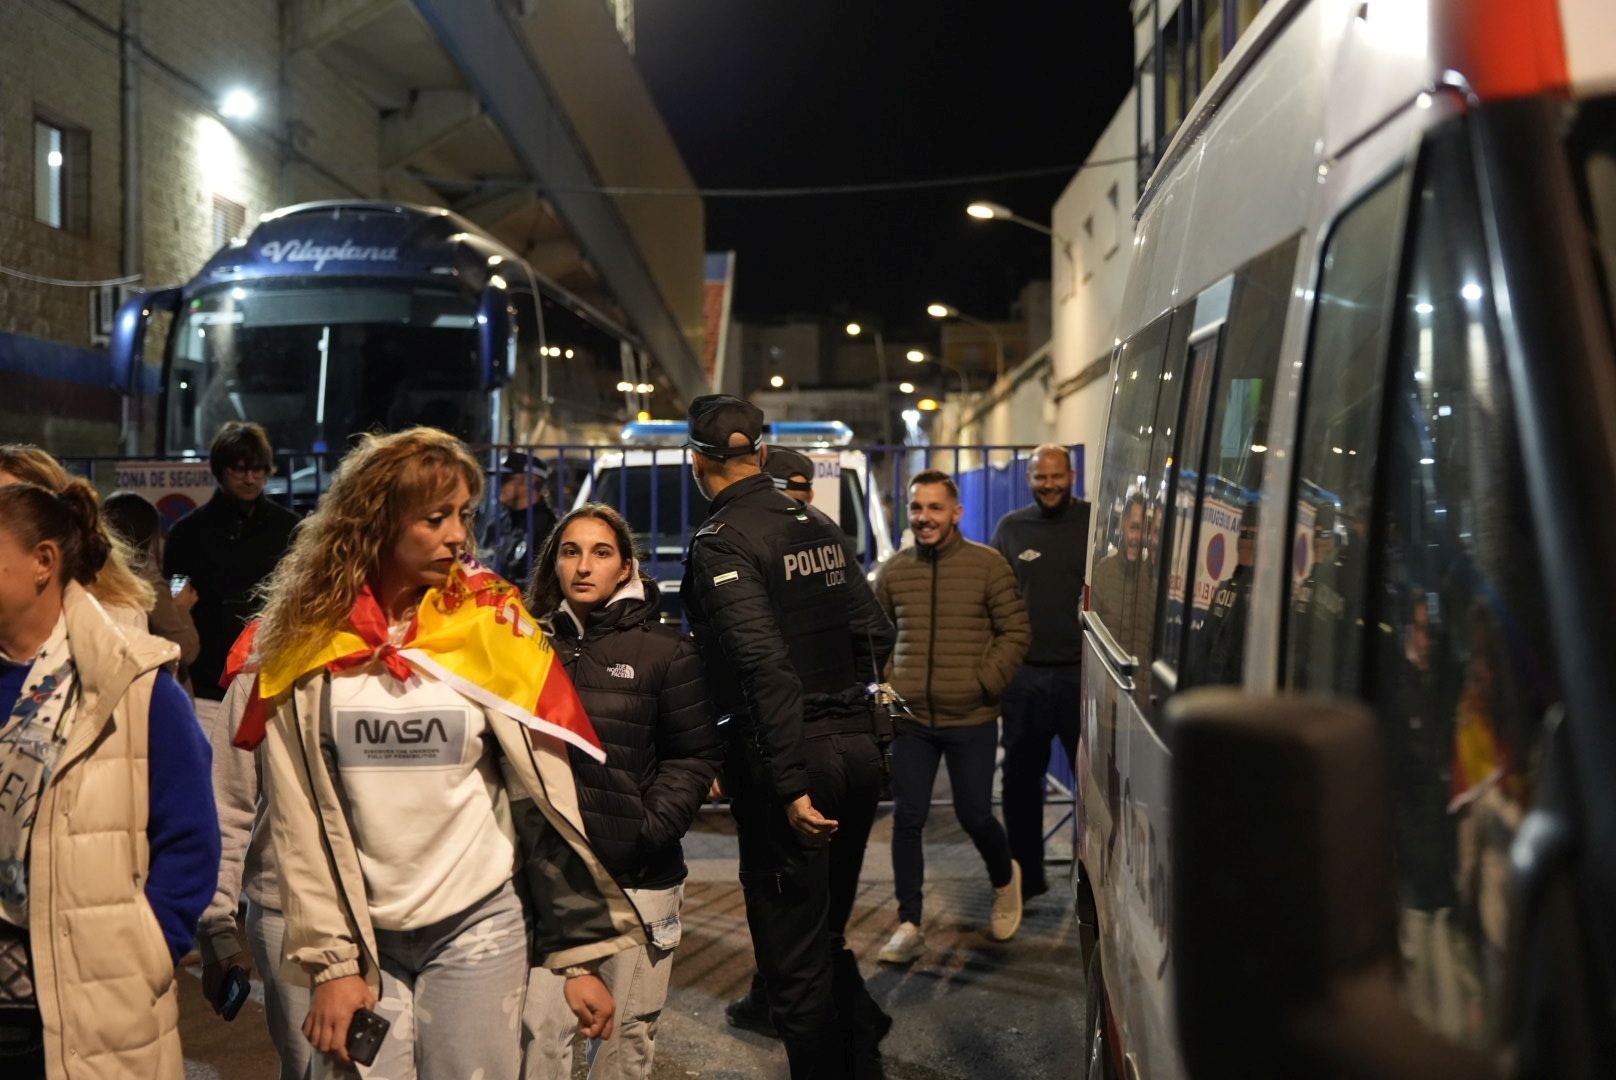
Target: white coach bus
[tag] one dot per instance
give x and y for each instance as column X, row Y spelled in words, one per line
column 1348, row 763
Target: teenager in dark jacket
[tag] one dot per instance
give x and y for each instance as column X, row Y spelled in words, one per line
column 641, row 684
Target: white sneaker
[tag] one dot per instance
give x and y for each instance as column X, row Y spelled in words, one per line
column 1005, row 918
column 905, row 947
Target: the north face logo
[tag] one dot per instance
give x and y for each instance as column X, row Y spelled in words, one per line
column 1030, row 554
column 620, row 671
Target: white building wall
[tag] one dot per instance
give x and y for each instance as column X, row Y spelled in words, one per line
column 1096, row 213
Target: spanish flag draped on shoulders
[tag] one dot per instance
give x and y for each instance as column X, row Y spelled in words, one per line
column 474, row 635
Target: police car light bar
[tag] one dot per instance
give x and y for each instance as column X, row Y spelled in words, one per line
column 784, row 432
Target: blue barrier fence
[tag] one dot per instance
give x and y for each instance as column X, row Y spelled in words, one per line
column 653, row 490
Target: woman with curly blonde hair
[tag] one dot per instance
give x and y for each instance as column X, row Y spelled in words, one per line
column 396, row 669
column 125, row 594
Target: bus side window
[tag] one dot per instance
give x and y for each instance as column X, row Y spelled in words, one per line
column 1337, row 446
column 1119, row 541
column 1223, row 548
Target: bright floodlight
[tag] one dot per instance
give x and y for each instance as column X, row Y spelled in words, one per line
column 987, row 211
column 644, row 388
column 625, row 387
column 915, row 356
column 911, row 416
column 854, row 329
column 940, row 311
column 777, row 381
column 906, row 388
column 238, row 104
column 927, row 404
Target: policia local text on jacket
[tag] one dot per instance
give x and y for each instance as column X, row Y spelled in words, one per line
column 791, row 634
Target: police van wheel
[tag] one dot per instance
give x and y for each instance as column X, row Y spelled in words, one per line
column 1097, row 1048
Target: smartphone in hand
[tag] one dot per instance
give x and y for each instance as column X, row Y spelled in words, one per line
column 365, row 1034
column 177, row 583
column 233, row 992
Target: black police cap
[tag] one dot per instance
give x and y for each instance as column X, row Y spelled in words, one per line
column 715, row 417
column 516, row 461
column 783, row 463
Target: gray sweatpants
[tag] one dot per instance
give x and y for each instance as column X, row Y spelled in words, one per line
column 453, row 994
column 285, row 1004
column 638, row 980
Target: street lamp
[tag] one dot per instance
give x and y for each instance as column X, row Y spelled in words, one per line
column 906, row 388
column 238, row 103
column 949, row 311
column 915, row 356
column 854, row 330
column 777, row 381
column 992, row 211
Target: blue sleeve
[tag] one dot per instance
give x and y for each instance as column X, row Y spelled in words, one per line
column 183, row 824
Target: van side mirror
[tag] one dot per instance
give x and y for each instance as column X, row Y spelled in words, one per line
column 496, row 344
column 127, row 347
column 1284, row 926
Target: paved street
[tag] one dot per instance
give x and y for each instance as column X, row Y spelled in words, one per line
column 969, row 1008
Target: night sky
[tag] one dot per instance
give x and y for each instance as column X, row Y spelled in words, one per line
column 769, row 93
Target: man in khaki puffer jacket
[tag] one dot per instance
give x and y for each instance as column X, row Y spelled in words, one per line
column 962, row 634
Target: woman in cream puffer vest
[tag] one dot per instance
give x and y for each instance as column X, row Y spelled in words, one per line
column 106, row 881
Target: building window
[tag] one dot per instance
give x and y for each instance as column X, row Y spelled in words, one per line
column 61, row 176
column 229, row 218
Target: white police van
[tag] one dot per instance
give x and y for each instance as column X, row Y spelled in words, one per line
column 650, row 482
column 1347, row 743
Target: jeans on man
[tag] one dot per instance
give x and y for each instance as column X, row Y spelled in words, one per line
column 969, row 753
column 1040, row 705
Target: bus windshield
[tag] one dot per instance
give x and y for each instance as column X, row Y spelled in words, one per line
column 316, row 365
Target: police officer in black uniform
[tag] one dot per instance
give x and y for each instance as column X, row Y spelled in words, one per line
column 519, row 525
column 790, row 635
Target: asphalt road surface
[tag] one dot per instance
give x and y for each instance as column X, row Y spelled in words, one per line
column 968, row 1008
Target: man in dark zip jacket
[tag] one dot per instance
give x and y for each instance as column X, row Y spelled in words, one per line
column 790, row 635
column 962, row 633
column 1046, row 543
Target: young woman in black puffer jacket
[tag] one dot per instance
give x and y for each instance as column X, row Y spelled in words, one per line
column 641, row 684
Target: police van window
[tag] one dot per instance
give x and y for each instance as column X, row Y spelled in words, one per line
column 1157, row 490
column 1223, row 549
column 1337, row 447
column 1119, row 541
column 1198, row 377
column 1180, row 422
column 1462, row 671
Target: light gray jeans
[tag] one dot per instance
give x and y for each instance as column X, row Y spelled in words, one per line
column 285, row 1004
column 453, row 992
column 638, row 980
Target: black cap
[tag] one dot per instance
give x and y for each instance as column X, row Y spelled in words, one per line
column 715, row 417
column 517, row 461
column 783, row 463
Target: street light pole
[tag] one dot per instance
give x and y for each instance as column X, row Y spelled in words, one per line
column 949, row 311
column 854, row 330
column 990, row 211
column 915, row 356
